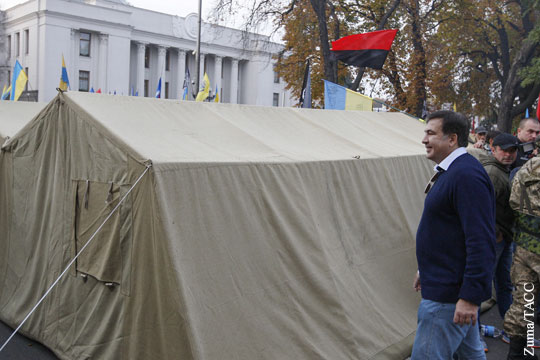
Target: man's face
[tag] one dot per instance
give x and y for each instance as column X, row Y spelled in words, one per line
column 438, row 145
column 530, row 131
column 481, row 136
column 505, row 157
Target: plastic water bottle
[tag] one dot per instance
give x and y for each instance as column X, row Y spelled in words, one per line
column 490, row 331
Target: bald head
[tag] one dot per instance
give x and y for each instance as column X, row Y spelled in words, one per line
column 528, row 130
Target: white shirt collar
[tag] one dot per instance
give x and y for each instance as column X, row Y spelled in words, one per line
column 445, row 164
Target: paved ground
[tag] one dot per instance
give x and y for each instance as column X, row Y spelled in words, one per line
column 22, row 348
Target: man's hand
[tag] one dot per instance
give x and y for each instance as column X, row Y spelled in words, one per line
column 416, row 282
column 499, row 236
column 479, row 144
column 466, row 313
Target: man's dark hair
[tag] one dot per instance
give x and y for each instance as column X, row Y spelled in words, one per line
column 492, row 134
column 524, row 120
column 453, row 123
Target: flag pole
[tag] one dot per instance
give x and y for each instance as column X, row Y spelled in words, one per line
column 198, row 54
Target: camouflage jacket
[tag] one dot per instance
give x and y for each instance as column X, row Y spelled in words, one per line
column 527, row 232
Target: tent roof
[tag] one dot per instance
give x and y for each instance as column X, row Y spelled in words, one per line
column 172, row 131
column 15, row 114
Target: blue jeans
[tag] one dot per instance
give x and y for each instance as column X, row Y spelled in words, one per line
column 501, row 276
column 438, row 338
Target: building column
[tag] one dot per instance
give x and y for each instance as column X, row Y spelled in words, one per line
column 180, row 76
column 141, row 49
column 103, row 46
column 217, row 74
column 201, row 72
column 234, row 81
column 162, row 50
column 73, row 63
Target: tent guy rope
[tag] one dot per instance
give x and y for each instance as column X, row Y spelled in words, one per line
column 148, row 166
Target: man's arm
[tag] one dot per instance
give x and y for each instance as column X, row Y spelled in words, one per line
column 416, row 283
column 474, row 201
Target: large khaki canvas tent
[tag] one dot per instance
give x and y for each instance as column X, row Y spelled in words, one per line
column 255, row 233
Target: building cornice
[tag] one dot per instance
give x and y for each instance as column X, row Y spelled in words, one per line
column 81, row 21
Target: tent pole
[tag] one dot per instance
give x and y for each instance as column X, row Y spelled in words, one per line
column 198, row 54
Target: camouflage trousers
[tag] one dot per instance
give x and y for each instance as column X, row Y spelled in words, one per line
column 525, row 274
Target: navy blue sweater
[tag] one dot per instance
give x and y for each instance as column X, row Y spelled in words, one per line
column 455, row 241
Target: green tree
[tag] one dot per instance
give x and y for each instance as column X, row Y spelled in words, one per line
column 494, row 45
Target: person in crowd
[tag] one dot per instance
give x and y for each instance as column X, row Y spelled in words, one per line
column 490, row 136
column 528, row 130
column 455, row 244
column 480, row 136
column 482, row 153
column 525, row 274
column 498, row 169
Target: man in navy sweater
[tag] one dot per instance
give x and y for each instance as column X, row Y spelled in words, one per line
column 455, row 244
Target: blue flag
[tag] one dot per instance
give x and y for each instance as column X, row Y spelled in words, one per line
column 187, row 82
column 158, row 90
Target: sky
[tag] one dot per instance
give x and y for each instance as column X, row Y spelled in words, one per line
column 173, row 7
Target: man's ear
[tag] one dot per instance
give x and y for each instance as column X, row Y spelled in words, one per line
column 453, row 139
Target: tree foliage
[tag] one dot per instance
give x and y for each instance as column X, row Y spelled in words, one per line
column 494, row 46
column 481, row 55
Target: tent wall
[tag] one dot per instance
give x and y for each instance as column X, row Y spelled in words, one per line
column 304, row 261
column 83, row 318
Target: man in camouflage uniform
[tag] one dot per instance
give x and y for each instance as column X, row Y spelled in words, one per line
column 519, row 320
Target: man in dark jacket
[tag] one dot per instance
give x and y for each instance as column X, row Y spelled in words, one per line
column 455, row 244
column 504, row 153
column 528, row 130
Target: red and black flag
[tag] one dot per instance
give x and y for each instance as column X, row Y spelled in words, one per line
column 538, row 108
column 364, row 50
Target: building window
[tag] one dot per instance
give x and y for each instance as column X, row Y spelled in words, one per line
column 166, row 90
column 9, row 76
column 27, row 76
column 146, row 57
column 17, row 44
column 84, row 44
column 9, row 46
column 146, row 88
column 84, row 80
column 167, row 60
column 276, row 99
column 276, row 77
column 26, row 41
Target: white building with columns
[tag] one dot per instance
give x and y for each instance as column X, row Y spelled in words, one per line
column 113, row 46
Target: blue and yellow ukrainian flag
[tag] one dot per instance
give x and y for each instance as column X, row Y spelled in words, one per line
column 64, row 81
column 158, row 90
column 203, row 94
column 216, row 99
column 18, row 81
column 6, row 92
column 337, row 97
